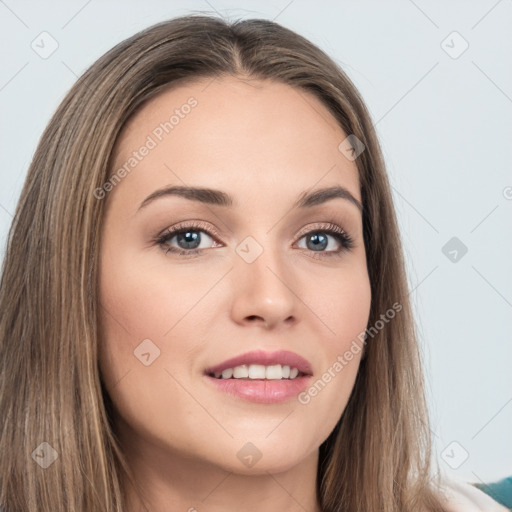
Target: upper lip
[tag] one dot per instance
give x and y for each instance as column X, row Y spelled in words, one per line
column 282, row 357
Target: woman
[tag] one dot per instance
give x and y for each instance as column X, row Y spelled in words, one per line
column 204, row 304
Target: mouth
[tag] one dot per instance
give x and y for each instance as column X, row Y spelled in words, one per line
column 259, row 364
column 258, row 376
column 258, row 372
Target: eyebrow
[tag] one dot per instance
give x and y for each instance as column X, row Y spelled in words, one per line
column 220, row 198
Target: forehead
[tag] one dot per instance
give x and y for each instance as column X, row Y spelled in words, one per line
column 228, row 131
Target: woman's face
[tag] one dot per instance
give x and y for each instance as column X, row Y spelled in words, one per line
column 253, row 270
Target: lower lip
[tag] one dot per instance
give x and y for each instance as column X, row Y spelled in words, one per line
column 262, row 391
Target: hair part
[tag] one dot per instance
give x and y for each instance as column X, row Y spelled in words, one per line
column 378, row 457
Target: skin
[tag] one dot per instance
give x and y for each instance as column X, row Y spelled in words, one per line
column 264, row 143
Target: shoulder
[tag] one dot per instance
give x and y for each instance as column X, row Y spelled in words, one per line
column 465, row 497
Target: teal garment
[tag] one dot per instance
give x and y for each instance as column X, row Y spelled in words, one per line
column 500, row 491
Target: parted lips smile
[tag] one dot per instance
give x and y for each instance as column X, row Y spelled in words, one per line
column 259, row 376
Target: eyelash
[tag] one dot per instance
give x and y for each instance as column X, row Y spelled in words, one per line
column 345, row 240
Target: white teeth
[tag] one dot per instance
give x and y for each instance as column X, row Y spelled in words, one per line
column 274, row 372
column 240, row 372
column 258, row 371
column 227, row 373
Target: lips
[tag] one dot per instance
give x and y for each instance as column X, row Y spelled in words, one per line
column 260, row 357
column 286, row 375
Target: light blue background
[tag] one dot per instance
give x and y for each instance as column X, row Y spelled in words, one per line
column 445, row 125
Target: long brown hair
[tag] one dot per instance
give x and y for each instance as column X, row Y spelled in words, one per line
column 378, row 457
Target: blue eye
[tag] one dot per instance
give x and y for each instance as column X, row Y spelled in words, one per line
column 190, row 236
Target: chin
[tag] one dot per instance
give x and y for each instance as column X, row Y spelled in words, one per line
column 261, row 458
column 264, row 466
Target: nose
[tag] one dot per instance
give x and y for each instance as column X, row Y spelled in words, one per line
column 264, row 291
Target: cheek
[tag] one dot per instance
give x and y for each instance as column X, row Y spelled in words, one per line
column 344, row 308
column 147, row 342
column 140, row 301
column 143, row 299
column 343, row 305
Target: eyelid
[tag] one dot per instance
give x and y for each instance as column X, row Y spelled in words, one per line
column 191, row 224
column 332, row 227
column 201, row 225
